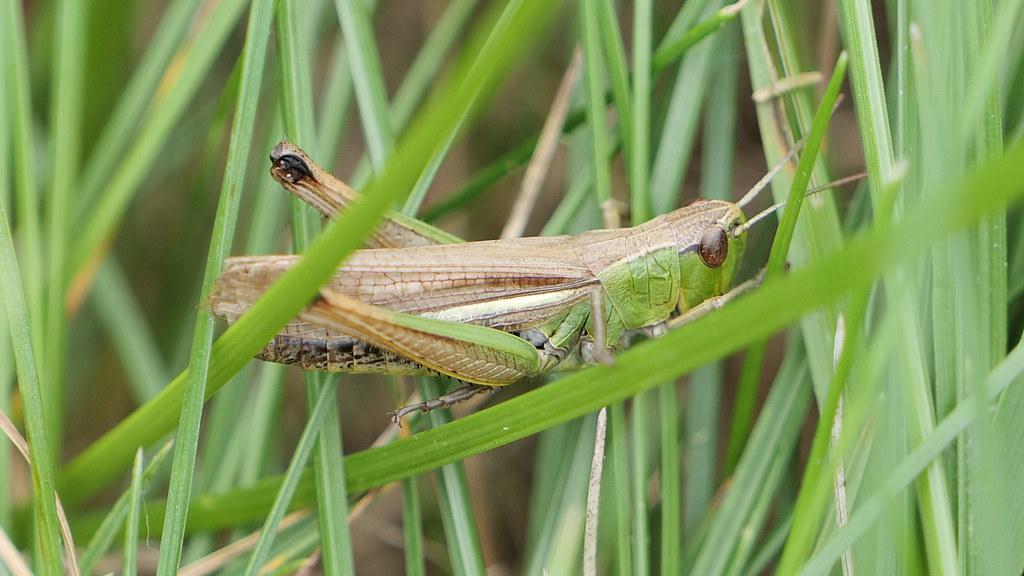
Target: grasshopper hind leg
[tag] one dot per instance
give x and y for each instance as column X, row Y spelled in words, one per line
column 464, row 392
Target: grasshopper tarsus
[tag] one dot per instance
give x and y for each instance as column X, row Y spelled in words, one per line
column 447, row 400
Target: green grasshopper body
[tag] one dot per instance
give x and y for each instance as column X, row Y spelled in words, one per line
column 491, row 312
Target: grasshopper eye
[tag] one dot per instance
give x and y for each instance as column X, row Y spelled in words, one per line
column 713, row 247
column 292, row 168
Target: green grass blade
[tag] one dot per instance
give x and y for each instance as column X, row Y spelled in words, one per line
column 334, row 103
column 303, row 449
column 26, row 188
column 808, row 510
column 703, row 402
column 102, row 220
column 593, row 75
column 680, row 126
column 412, row 528
column 6, row 361
column 131, row 526
column 619, row 468
column 641, row 206
column 1004, row 429
column 254, row 56
column 108, row 530
column 773, row 439
column 819, row 232
column 135, row 99
column 453, row 499
column 332, row 501
column 565, row 548
column 43, row 493
column 1006, row 375
column 368, row 79
column 672, row 48
column 640, row 170
column 119, row 312
column 556, row 448
column 425, row 67
column 671, row 511
column 65, row 150
column 615, row 53
column 297, row 106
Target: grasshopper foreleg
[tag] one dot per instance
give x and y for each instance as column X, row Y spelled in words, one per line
column 713, row 303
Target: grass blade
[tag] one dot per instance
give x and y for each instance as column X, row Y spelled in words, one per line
column 773, row 440
column 135, row 99
column 412, row 528
column 26, row 187
column 65, row 149
column 680, row 125
column 119, row 312
column 332, row 504
column 131, row 527
column 453, row 500
column 1007, row 374
column 371, row 96
column 593, row 74
column 254, row 56
column 322, row 405
column 776, row 262
column 611, row 40
column 104, row 536
column 103, row 219
column 6, row 361
column 703, row 401
column 44, row 495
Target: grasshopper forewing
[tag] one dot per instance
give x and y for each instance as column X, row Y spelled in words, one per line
column 488, row 313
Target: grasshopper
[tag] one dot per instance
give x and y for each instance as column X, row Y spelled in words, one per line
column 417, row 300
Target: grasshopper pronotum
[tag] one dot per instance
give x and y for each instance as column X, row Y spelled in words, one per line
column 490, row 313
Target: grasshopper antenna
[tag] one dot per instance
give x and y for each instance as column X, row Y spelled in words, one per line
column 771, row 209
column 767, row 178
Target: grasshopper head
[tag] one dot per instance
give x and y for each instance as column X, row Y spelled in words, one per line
column 290, row 166
column 298, row 174
column 710, row 243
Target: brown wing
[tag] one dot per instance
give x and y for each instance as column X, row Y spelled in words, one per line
column 462, row 281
